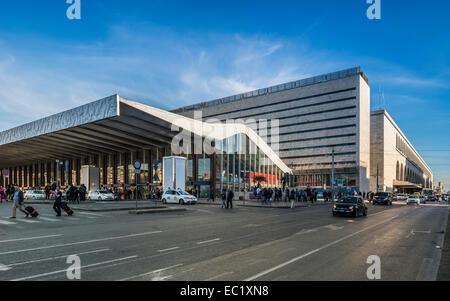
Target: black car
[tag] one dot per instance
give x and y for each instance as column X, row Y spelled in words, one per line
column 350, row 205
column 384, row 198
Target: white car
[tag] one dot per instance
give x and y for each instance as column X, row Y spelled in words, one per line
column 402, row 197
column 35, row 195
column 178, row 197
column 413, row 199
column 101, row 195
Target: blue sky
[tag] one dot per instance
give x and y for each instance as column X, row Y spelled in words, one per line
column 173, row 53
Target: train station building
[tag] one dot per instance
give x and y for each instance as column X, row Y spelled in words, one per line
column 308, row 129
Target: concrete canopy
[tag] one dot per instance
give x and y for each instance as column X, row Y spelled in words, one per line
column 109, row 125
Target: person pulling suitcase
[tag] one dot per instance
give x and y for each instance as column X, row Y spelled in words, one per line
column 58, row 200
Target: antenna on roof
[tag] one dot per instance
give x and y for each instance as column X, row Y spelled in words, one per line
column 381, row 100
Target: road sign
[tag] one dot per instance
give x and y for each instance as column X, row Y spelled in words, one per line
column 137, row 171
column 137, row 164
column 5, row 172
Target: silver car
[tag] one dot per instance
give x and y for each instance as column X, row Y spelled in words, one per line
column 35, row 195
column 101, row 195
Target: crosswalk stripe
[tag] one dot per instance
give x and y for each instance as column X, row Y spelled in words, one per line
column 28, row 221
column 89, row 213
column 49, row 219
column 64, row 217
column 7, row 223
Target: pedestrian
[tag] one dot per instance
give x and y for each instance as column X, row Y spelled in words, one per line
column 82, row 193
column 2, row 194
column 18, row 202
column 230, row 197
column 292, row 199
column 211, row 195
column 58, row 200
column 47, row 192
column 286, row 196
column 223, row 196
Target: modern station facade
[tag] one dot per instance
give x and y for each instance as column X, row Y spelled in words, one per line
column 108, row 135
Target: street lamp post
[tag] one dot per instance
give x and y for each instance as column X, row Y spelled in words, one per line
column 332, row 172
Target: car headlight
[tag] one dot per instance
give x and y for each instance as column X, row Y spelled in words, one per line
column 350, row 208
column 334, row 207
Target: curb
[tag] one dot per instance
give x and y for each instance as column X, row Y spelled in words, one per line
column 444, row 265
column 284, row 207
column 118, row 209
column 161, row 210
column 51, row 203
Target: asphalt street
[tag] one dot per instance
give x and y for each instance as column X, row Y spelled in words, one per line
column 209, row 243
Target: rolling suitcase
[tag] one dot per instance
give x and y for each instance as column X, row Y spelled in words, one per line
column 32, row 211
column 67, row 209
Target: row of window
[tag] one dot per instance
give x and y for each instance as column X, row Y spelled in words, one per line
column 291, row 100
column 316, row 147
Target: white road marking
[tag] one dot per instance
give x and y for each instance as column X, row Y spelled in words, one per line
column 89, row 213
column 170, row 249
column 333, row 227
column 152, row 272
column 315, row 251
column 63, row 217
column 218, row 276
column 82, row 267
column 207, row 241
column 79, row 242
column 7, row 223
column 4, row 268
column 29, row 238
column 57, row 257
column 28, row 221
column 48, row 219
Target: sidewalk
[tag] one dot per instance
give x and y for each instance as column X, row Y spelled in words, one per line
column 444, row 267
column 257, row 204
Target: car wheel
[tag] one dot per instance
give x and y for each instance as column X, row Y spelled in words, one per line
column 181, row 202
column 356, row 213
column 365, row 212
column 334, row 213
column 164, row 201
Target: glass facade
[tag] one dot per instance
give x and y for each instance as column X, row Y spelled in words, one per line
column 235, row 162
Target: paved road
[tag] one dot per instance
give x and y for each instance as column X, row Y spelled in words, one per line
column 210, row 243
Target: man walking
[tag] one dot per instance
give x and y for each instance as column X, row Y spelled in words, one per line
column 18, row 202
column 230, row 197
column 58, row 200
column 223, row 196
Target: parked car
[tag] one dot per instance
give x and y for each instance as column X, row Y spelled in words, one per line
column 35, row 195
column 402, row 197
column 382, row 198
column 413, row 199
column 100, row 195
column 350, row 205
column 178, row 197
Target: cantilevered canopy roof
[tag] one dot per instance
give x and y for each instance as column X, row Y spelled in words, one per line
column 109, row 125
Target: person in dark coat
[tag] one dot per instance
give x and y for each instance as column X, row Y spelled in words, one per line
column 47, row 192
column 230, row 197
column 82, row 193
